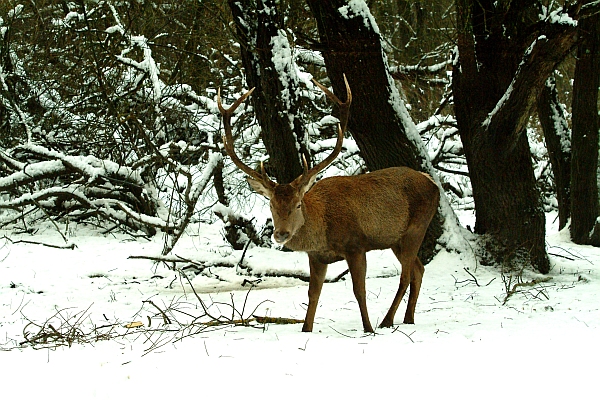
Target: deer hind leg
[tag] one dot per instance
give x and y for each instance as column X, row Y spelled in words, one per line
column 317, row 277
column 357, row 264
column 415, row 288
column 405, row 279
column 412, row 274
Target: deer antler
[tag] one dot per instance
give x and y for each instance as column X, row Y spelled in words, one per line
column 344, row 112
column 228, row 138
column 307, row 175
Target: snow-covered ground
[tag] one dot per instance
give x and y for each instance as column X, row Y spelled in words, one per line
column 466, row 343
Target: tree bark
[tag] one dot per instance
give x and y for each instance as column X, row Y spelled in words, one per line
column 505, row 55
column 276, row 102
column 558, row 143
column 379, row 122
column 352, row 47
column 584, row 167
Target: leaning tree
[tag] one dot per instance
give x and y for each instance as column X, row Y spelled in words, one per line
column 505, row 53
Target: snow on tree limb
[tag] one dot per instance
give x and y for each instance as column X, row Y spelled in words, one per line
column 506, row 97
column 84, row 184
column 358, row 8
column 31, row 173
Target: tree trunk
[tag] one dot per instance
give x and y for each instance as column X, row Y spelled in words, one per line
column 505, row 55
column 558, row 142
column 351, row 47
column 584, row 167
column 275, row 100
column 379, row 121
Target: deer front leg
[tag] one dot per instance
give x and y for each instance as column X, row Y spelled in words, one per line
column 317, row 277
column 357, row 263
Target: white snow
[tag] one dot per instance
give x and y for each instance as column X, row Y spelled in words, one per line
column 465, row 344
column 359, row 8
column 559, row 119
column 557, row 16
column 285, row 66
column 291, row 78
column 15, row 12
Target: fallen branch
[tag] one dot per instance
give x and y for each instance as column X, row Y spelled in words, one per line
column 84, row 187
column 65, row 328
column 224, row 263
column 277, row 320
column 71, row 246
column 473, row 280
column 514, row 288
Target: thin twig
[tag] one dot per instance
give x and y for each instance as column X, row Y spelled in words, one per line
column 38, row 205
column 397, row 329
column 166, row 319
column 72, row 246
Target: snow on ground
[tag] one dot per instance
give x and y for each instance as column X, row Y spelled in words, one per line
column 542, row 343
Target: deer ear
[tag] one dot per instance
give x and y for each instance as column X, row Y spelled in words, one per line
column 304, row 185
column 260, row 187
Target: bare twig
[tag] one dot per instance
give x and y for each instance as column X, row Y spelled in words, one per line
column 66, row 329
column 71, row 246
column 166, row 319
column 397, row 329
column 511, row 289
column 475, row 279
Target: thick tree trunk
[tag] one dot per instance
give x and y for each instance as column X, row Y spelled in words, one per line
column 558, row 142
column 351, row 47
column 275, row 100
column 584, row 167
column 379, row 122
column 505, row 56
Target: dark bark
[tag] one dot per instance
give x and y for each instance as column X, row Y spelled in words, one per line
column 257, row 23
column 351, row 46
column 219, row 184
column 505, row 56
column 584, row 167
column 558, row 143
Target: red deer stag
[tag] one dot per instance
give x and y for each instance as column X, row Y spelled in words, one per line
column 344, row 217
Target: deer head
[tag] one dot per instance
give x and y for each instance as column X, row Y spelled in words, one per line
column 285, row 199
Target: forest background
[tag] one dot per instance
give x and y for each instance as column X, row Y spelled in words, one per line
column 108, row 112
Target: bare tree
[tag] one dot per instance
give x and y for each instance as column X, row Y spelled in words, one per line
column 584, row 161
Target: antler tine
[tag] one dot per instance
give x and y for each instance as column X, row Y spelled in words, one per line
column 344, row 107
column 229, row 111
column 344, row 112
column 228, row 137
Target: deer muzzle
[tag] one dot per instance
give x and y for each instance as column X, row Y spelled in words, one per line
column 281, row 236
